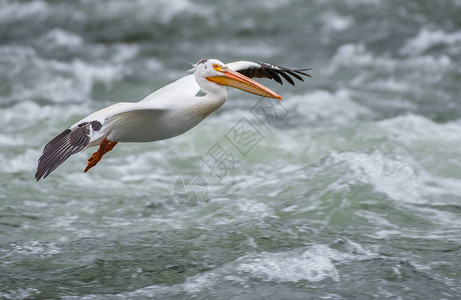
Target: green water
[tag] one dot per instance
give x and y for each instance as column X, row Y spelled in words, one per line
column 352, row 191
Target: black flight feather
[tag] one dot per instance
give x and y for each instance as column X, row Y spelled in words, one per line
column 65, row 144
column 274, row 72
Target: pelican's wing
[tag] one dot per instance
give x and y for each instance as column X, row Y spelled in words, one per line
column 188, row 86
column 183, row 86
column 70, row 141
column 265, row 70
column 86, row 132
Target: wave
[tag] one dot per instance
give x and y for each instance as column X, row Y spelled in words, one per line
column 428, row 39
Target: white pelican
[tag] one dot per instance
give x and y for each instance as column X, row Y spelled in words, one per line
column 166, row 113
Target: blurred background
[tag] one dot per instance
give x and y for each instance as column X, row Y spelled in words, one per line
column 354, row 193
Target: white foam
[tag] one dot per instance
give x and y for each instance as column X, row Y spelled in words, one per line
column 358, row 55
column 124, row 53
column 312, row 265
column 23, row 162
column 400, row 177
column 274, row 4
column 409, row 129
column 21, row 293
column 60, row 81
column 63, row 38
column 333, row 21
column 427, row 39
column 395, row 178
column 35, row 204
column 11, row 140
column 163, row 11
column 259, row 210
column 394, row 85
column 320, row 105
column 34, row 248
column 247, row 49
column 355, row 3
column 27, row 114
column 153, row 64
column 19, row 10
column 352, row 3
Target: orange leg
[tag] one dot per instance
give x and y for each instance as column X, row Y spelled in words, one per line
column 104, row 147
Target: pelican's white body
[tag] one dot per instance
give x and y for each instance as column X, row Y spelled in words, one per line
column 166, row 113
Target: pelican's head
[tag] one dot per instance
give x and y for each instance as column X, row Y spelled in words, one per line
column 216, row 71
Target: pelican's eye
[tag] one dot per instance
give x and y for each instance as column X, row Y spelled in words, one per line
column 217, row 67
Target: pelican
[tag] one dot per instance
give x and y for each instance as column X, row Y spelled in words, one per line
column 166, row 113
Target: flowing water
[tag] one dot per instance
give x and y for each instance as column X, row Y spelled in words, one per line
column 348, row 188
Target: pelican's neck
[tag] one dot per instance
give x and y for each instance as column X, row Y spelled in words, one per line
column 214, row 92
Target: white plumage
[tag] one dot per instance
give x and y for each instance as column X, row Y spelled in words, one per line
column 165, row 113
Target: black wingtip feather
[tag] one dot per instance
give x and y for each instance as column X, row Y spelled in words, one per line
column 287, row 78
column 56, row 152
column 302, row 71
column 292, row 73
column 275, row 72
column 273, row 75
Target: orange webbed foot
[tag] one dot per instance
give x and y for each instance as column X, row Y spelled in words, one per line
column 91, row 164
column 104, row 147
column 93, row 156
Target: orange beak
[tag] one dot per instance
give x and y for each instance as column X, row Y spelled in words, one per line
column 241, row 82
